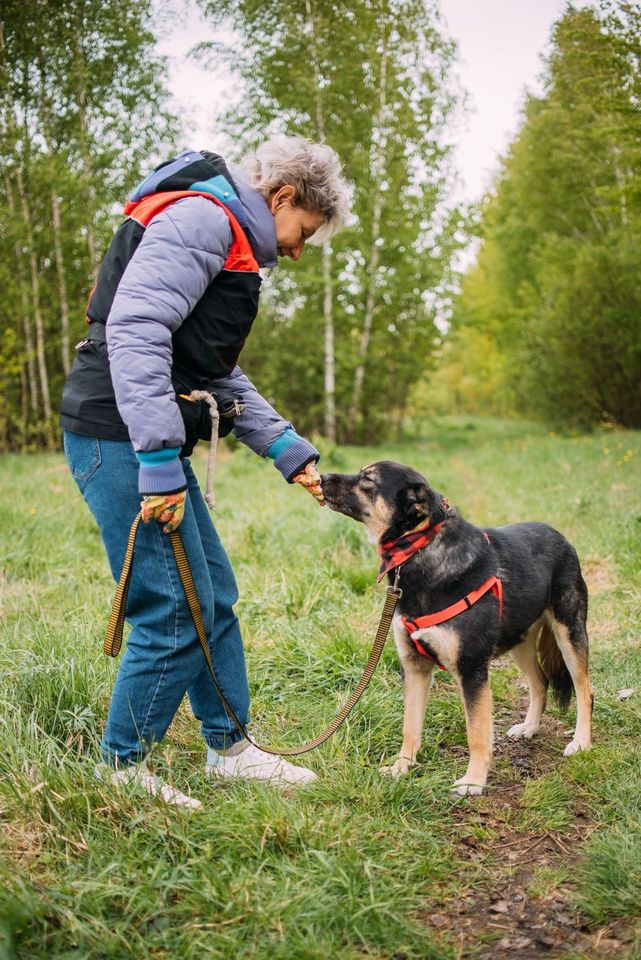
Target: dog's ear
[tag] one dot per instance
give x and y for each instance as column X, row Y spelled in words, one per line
column 415, row 501
column 420, row 501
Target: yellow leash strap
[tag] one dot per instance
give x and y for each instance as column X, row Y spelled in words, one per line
column 113, row 641
column 113, row 637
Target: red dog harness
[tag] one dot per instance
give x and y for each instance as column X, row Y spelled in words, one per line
column 394, row 553
column 432, row 619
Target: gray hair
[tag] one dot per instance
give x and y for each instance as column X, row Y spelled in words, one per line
column 313, row 169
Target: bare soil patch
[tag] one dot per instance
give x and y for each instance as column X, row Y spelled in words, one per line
column 517, row 908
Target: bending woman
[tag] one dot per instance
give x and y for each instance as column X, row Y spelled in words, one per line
column 176, row 297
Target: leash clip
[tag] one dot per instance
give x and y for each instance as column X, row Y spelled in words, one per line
column 393, row 589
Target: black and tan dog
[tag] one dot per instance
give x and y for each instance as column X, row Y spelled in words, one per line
column 516, row 588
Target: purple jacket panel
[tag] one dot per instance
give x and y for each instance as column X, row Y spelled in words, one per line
column 181, row 252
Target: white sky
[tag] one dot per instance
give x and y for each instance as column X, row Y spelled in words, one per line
column 500, row 43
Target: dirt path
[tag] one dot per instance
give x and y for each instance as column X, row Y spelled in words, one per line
column 513, row 907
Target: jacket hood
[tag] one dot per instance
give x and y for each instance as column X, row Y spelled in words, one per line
column 208, row 173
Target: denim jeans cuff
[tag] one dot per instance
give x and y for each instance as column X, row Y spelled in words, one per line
column 222, row 741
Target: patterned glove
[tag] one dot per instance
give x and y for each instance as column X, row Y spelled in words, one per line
column 310, row 478
column 168, row 508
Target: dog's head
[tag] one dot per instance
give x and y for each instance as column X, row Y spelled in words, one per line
column 389, row 498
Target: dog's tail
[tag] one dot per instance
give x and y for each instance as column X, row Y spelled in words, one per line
column 554, row 668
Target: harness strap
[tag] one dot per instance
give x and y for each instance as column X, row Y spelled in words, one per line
column 441, row 616
column 113, row 641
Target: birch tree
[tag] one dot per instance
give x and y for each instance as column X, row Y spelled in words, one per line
column 82, row 117
column 373, row 80
column 328, row 299
column 556, row 281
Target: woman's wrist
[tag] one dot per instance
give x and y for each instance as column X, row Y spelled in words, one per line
column 161, row 471
column 291, row 453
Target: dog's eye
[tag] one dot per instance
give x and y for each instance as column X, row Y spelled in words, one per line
column 366, row 482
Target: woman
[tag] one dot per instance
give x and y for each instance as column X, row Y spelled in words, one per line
column 175, row 299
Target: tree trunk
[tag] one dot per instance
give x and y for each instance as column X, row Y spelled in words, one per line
column 621, row 184
column 87, row 173
column 25, row 318
column 37, row 312
column 45, row 120
column 330, row 379
column 62, row 283
column 368, row 320
column 328, row 289
column 24, row 302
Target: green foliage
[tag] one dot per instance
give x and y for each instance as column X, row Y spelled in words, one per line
column 354, row 864
column 547, row 804
column 374, row 81
column 555, row 288
column 82, row 114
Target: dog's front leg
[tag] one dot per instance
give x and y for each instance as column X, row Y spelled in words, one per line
column 477, row 699
column 417, row 680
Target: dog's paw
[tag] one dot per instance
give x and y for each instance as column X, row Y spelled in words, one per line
column 575, row 747
column 522, row 731
column 400, row 767
column 467, row 789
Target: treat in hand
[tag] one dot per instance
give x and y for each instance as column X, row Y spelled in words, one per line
column 167, row 508
column 310, row 478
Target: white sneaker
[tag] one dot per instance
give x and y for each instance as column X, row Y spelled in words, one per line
column 257, row 765
column 138, row 775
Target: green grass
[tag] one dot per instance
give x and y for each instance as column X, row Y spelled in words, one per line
column 345, row 868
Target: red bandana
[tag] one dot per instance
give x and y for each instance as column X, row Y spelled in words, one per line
column 395, row 552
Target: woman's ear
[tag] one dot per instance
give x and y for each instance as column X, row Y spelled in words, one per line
column 282, row 197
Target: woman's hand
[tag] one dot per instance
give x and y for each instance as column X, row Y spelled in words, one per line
column 310, row 478
column 168, row 508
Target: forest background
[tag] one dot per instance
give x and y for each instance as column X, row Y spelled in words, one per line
column 369, row 335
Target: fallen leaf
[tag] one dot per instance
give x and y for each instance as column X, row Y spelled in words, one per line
column 519, row 943
column 546, row 940
column 626, row 694
column 470, row 841
column 565, row 918
column 500, row 906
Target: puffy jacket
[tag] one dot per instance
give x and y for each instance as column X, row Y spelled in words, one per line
column 177, row 264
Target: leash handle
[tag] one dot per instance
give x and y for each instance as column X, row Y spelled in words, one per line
column 116, row 623
column 113, row 641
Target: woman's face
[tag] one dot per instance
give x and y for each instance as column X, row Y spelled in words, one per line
column 294, row 225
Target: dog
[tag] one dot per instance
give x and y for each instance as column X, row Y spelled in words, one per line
column 515, row 588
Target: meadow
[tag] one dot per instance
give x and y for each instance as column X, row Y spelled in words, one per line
column 356, row 865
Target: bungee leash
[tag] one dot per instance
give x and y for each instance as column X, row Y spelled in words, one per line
column 113, row 640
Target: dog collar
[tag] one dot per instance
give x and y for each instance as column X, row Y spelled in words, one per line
column 393, row 553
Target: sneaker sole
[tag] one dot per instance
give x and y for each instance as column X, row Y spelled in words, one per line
column 213, row 771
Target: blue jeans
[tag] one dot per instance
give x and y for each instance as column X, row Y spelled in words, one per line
column 163, row 659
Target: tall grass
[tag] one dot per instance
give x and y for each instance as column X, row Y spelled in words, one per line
column 343, row 868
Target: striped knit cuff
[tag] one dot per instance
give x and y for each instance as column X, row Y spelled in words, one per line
column 295, row 458
column 151, row 458
column 162, row 478
column 280, row 444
